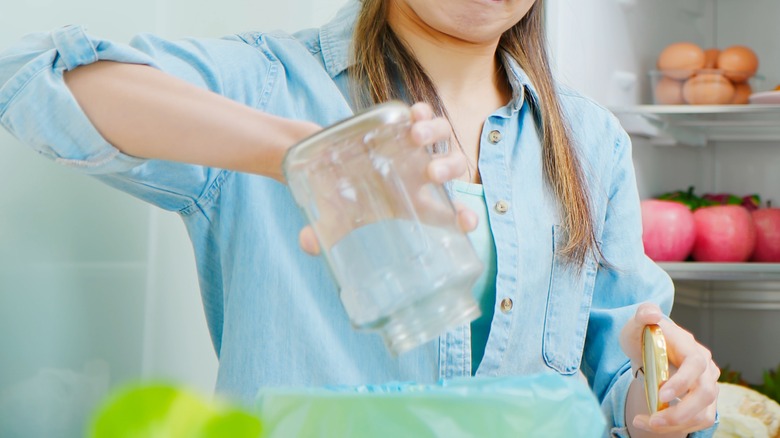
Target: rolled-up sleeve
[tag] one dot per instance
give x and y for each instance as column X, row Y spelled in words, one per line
column 631, row 280
column 38, row 108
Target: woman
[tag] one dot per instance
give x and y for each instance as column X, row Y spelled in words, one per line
column 551, row 171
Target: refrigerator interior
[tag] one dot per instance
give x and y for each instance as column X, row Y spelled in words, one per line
column 605, row 48
column 98, row 289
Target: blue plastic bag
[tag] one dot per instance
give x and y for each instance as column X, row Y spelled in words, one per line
column 547, row 405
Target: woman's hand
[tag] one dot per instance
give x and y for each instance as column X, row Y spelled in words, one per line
column 694, row 382
column 426, row 130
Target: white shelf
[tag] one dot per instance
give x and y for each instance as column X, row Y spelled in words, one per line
column 698, row 125
column 722, row 271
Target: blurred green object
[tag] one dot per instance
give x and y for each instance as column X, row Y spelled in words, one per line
column 166, row 411
column 547, row 405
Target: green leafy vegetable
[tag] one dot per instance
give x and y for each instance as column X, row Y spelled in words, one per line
column 770, row 386
column 684, row 197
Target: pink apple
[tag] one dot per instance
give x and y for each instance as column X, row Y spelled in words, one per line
column 724, row 233
column 767, row 222
column 667, row 230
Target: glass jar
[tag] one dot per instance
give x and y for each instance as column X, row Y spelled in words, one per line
column 388, row 234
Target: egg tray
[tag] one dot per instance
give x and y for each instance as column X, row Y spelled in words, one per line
column 703, row 87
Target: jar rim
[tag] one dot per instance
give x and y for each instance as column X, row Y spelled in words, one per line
column 390, row 112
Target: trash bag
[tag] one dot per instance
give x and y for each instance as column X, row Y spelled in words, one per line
column 544, row 405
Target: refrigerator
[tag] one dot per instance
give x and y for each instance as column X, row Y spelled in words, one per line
column 606, row 49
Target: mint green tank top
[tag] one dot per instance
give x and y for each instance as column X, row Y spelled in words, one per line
column 484, row 289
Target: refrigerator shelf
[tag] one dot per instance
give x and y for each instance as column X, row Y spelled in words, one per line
column 722, row 271
column 698, row 125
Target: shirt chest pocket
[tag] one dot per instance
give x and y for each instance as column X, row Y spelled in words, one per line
column 568, row 307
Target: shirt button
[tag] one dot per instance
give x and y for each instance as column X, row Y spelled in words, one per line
column 506, row 305
column 494, row 136
column 502, row 206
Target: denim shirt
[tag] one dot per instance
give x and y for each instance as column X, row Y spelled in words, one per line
column 273, row 312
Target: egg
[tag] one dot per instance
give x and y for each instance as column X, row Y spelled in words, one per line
column 708, row 89
column 680, row 60
column 742, row 92
column 711, row 58
column 669, row 91
column 739, row 63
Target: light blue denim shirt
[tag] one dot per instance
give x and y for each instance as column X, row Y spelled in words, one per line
column 273, row 311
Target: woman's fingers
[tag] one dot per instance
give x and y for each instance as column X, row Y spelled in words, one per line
column 447, row 167
column 308, row 240
column 428, row 129
column 700, row 421
column 691, row 360
column 467, row 219
column 631, row 335
column 422, row 111
column 703, row 393
column 694, row 383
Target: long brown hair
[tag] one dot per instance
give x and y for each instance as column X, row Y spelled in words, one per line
column 385, row 69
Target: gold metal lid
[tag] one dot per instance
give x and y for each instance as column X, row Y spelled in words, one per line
column 655, row 362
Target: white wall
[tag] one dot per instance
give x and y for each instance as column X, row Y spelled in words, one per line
column 97, row 288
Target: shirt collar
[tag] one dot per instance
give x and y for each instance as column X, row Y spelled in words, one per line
column 335, row 42
column 522, row 88
column 336, row 39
